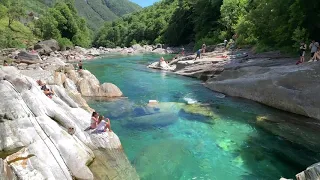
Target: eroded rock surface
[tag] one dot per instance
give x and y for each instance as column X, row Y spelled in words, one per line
column 35, row 141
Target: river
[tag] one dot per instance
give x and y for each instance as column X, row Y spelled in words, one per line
column 215, row 138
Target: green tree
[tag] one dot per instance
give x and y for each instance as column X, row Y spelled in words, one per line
column 15, row 10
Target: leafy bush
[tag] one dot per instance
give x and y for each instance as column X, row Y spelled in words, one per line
column 64, row 43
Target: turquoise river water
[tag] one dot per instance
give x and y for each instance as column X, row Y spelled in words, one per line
column 215, row 138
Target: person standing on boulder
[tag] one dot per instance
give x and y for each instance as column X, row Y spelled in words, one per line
column 198, row 54
column 80, row 65
column 314, row 47
column 182, row 52
column 303, row 48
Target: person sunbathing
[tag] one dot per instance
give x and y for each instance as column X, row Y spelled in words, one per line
column 48, row 93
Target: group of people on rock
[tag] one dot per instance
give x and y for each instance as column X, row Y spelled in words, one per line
column 202, row 50
column 49, row 93
column 315, row 52
column 99, row 123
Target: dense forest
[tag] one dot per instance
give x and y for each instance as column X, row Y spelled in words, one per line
column 96, row 12
column 266, row 24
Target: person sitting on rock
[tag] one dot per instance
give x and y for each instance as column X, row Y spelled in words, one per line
column 94, row 120
column 198, row 54
column 48, row 93
column 316, row 56
column 99, row 124
column 103, row 124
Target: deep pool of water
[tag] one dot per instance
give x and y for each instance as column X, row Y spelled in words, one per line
column 215, row 138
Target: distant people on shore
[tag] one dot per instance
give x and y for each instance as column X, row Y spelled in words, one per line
column 204, row 46
column 198, row 54
column 303, row 48
column 314, row 47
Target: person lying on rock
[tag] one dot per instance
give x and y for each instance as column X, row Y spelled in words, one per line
column 48, row 93
column 42, row 84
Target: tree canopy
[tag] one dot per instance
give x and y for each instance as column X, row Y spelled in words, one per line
column 62, row 23
column 264, row 23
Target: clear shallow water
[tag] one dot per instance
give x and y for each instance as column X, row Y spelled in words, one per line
column 225, row 138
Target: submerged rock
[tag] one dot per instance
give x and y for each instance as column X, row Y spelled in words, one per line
column 153, row 120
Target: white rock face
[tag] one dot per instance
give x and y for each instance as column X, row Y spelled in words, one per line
column 34, row 135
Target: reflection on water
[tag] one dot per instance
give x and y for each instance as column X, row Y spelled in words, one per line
column 195, row 133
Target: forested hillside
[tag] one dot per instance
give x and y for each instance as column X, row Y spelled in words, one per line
column 266, row 24
column 96, row 12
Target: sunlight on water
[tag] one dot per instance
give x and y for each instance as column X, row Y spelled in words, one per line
column 195, row 133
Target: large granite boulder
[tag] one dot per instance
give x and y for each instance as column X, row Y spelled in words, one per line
column 88, row 85
column 311, row 173
column 290, row 88
column 36, row 141
column 29, row 58
column 46, row 47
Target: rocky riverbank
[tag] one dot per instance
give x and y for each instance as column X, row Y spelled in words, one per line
column 269, row 78
column 43, row 138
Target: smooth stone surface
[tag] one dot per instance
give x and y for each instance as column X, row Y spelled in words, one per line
column 34, row 133
column 290, row 88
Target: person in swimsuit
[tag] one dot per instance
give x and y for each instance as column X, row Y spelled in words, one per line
column 5, row 63
column 94, row 120
column 80, row 65
column 303, row 48
column 48, row 93
column 204, row 48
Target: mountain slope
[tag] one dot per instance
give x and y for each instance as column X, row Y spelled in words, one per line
column 96, row 12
